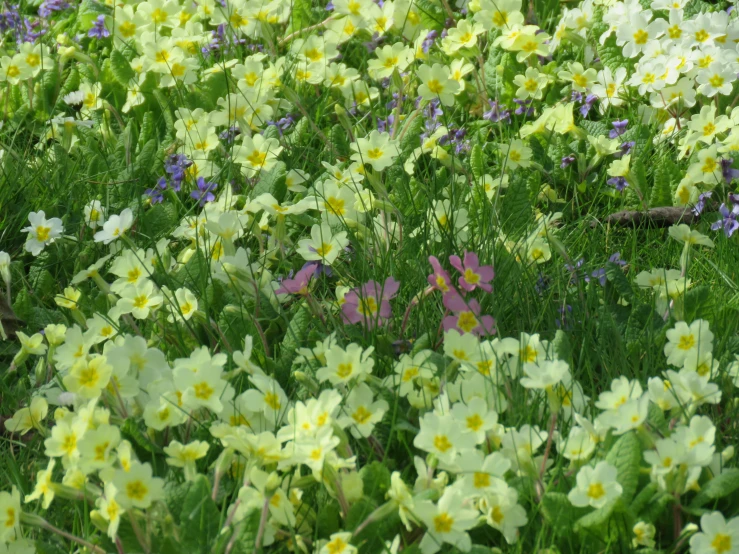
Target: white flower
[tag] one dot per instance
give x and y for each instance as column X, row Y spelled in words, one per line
column 446, row 522
column 116, row 226
column 41, row 232
column 683, row 339
column 717, row 535
column 595, row 486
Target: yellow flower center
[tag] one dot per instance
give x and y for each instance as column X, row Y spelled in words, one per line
column 481, row 480
column 435, row 86
column 443, row 523
column 641, row 37
column 42, row 233
column 362, row 415
column 474, row 422
column 203, row 391
column 136, row 490
column 441, row 443
column 686, row 342
column 344, row 370
column 721, row 543
column 596, row 491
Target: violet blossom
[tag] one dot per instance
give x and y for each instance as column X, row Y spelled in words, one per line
column 619, row 183
column 567, row 161
column 729, row 214
column 98, row 29
column 370, row 303
column 495, row 113
column 590, row 99
column 440, row 278
column 727, row 171
column 466, row 316
column 701, row 203
column 619, row 128
column 473, row 274
column 204, row 194
column 298, row 284
column 156, row 194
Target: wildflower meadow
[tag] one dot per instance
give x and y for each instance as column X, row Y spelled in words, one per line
column 369, row 276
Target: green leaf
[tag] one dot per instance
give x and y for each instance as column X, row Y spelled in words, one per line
column 166, row 112
column 199, row 517
column 71, row 83
column 147, row 130
column 594, row 128
column 145, row 158
column 559, row 512
column 611, row 54
column 661, row 194
column 327, row 520
column 339, row 142
column 515, row 209
column 597, row 517
column 272, row 181
column 720, row 486
column 46, row 548
column 625, row 455
column 159, row 220
column 358, row 513
column 656, row 506
column 131, row 430
column 296, row 334
column 562, row 346
column 300, row 16
column 477, row 161
column 698, row 303
column 121, row 68
column 643, row 498
column 638, row 178
column 376, row 478
column 247, row 540
column 616, row 276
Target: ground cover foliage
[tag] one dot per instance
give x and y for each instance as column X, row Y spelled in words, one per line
column 338, row 278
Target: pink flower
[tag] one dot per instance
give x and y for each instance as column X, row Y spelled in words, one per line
column 473, row 275
column 439, row 279
column 370, row 303
column 467, row 318
column 298, row 284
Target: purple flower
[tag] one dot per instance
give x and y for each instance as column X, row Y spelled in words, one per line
column 370, row 303
column 466, row 318
column 473, row 274
column 299, row 284
column 156, row 194
column 204, row 193
column 524, row 107
column 373, row 43
column 619, row 128
column 229, row 135
column 428, row 42
column 619, row 183
column 98, row 29
column 701, row 203
column 48, row 7
column 727, row 171
column 495, row 114
column 616, row 259
column 576, row 97
column 384, row 125
column 728, row 220
column 433, row 110
column 567, row 161
column 283, row 124
column 625, row 148
column 590, row 99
